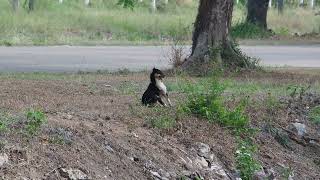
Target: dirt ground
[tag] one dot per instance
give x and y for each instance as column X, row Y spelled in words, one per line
column 97, row 125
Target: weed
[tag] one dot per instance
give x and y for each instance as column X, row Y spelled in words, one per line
column 314, row 115
column 286, row 172
column 162, row 118
column 60, row 136
column 280, row 136
column 177, row 55
column 128, row 87
column 35, row 118
column 249, row 31
column 162, row 122
column 297, row 91
column 5, row 121
column 205, row 99
column 245, row 160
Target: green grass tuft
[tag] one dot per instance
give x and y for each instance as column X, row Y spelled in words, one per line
column 35, row 119
column 314, row 115
column 249, row 31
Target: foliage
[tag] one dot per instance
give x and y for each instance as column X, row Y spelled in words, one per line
column 249, row 31
column 298, row 91
column 209, row 103
column 314, row 115
column 205, row 98
column 245, row 160
column 5, row 120
column 35, row 118
column 127, row 3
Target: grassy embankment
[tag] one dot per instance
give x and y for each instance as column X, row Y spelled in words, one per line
column 106, row 23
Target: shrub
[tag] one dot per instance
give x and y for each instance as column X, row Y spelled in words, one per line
column 35, row 118
column 205, row 99
column 249, row 31
column 245, row 161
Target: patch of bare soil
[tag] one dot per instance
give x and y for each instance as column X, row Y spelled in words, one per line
column 93, row 132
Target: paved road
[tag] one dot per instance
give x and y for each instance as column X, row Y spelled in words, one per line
column 72, row 58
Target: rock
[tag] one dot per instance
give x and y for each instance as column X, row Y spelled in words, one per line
column 298, row 128
column 69, row 117
column 73, row 174
column 203, row 149
column 201, row 162
column 164, row 174
column 155, row 174
column 259, row 175
column 3, row 159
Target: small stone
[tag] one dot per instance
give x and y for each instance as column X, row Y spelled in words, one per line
column 155, row 174
column 203, row 149
column 69, row 117
column 109, row 148
column 3, row 159
column 163, row 173
column 201, row 162
column 298, row 128
column 73, row 174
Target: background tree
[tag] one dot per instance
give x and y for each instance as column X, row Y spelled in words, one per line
column 15, row 4
column 211, row 41
column 257, row 12
column 29, row 4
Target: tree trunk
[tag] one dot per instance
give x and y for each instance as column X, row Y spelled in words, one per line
column 87, row 2
column 15, row 4
column 280, row 5
column 257, row 12
column 312, row 4
column 153, row 5
column 211, row 42
column 31, row 5
column 270, row 4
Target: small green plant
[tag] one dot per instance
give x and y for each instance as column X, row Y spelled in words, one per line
column 5, row 121
column 298, row 91
column 245, row 161
column 314, row 115
column 205, row 99
column 35, row 118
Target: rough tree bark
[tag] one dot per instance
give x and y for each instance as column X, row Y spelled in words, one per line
column 211, row 40
column 257, row 12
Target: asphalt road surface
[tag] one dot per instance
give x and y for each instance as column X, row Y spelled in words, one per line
column 112, row 58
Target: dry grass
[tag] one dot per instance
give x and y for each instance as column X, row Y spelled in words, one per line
column 294, row 20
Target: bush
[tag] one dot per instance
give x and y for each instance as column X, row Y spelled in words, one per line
column 35, row 118
column 245, row 160
column 205, row 99
column 249, row 31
